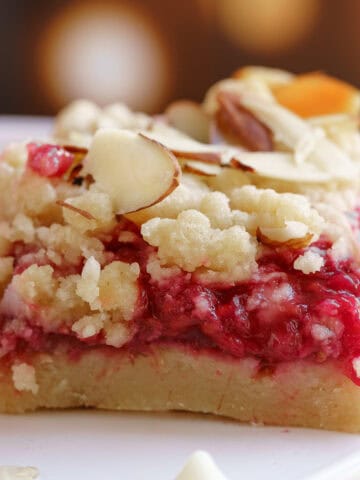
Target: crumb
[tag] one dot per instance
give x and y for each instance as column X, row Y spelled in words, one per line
column 24, row 378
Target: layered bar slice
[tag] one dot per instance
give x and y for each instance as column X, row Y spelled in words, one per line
column 206, row 259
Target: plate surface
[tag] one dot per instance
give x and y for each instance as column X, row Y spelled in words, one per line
column 95, row 445
column 136, row 446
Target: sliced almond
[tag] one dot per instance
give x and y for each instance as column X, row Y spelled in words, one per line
column 76, row 167
column 293, row 235
column 76, row 149
column 237, row 87
column 189, row 118
column 273, row 77
column 323, row 157
column 240, row 126
column 280, row 166
column 185, row 147
column 215, row 136
column 276, row 165
column 209, row 157
column 78, row 210
column 337, row 126
column 134, row 170
column 201, row 168
column 236, row 162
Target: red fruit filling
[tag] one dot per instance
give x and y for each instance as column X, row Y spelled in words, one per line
column 279, row 315
column 49, row 160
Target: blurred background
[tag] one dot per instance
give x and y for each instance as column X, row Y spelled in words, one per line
column 148, row 52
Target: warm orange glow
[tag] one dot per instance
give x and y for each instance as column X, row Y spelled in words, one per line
column 316, row 94
column 267, row 26
column 105, row 52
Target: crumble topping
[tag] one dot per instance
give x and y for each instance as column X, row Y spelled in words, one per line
column 88, row 285
column 221, row 216
column 90, row 325
column 216, row 207
column 279, row 216
column 159, row 273
column 115, row 332
column 16, row 155
column 36, row 284
column 94, row 211
column 69, row 244
column 309, row 262
column 187, row 195
column 191, row 243
column 24, row 378
column 118, row 288
column 72, row 299
column 81, row 119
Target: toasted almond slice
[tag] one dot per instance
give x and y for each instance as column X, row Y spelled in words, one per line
column 293, row 235
column 338, row 121
column 214, row 158
column 278, row 165
column 79, row 153
column 215, row 136
column 237, row 87
column 134, row 170
column 312, row 157
column 237, row 163
column 240, row 126
column 316, row 94
column 185, row 147
column 76, row 149
column 78, row 210
column 201, row 168
column 273, row 77
column 323, row 156
column 189, row 118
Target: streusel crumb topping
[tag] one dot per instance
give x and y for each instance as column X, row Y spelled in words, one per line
column 205, row 193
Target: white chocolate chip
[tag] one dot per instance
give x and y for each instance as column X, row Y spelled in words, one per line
column 24, row 378
column 18, row 473
column 200, row 466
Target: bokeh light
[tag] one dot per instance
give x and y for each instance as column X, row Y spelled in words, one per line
column 267, row 26
column 104, row 52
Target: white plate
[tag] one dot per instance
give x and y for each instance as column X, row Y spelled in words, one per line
column 134, row 446
column 122, row 446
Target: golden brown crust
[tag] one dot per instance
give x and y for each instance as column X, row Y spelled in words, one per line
column 171, row 378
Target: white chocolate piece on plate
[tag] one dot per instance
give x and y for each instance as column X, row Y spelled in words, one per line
column 18, row 473
column 200, row 466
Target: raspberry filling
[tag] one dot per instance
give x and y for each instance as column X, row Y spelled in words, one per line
column 48, row 160
column 280, row 314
